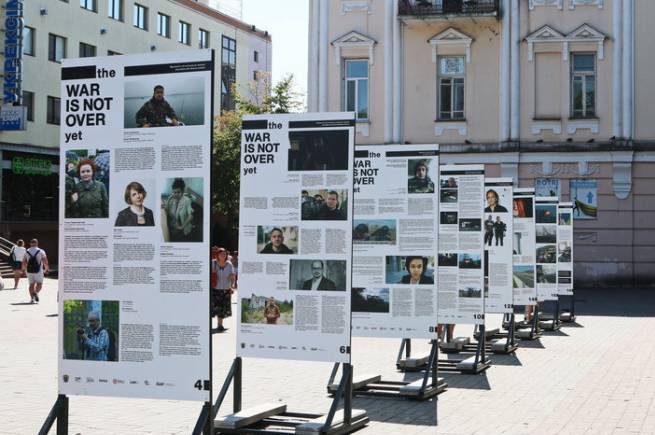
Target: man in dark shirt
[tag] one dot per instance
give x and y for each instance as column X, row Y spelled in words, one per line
column 330, row 210
column 155, row 111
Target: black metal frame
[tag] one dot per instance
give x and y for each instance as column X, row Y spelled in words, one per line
column 235, row 375
column 58, row 413
column 391, row 388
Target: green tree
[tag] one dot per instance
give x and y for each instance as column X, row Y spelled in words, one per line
column 226, row 147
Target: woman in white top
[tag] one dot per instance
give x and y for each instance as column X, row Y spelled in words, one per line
column 16, row 257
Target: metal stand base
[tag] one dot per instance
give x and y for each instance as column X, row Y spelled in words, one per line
column 422, row 389
column 474, row 364
column 274, row 418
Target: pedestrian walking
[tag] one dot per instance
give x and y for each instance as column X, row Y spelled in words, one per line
column 35, row 262
column 223, row 277
column 16, row 256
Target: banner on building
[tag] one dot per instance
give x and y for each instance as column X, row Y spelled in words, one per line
column 546, row 247
column 524, row 268
column 395, row 241
column 565, row 248
column 547, row 187
column 460, row 277
column 134, row 226
column 498, row 235
column 584, row 196
column 295, row 236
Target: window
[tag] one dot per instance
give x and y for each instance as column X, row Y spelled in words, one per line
column 228, row 72
column 28, row 40
column 583, row 86
column 87, row 50
column 56, row 47
column 115, row 8
column 113, row 53
column 140, row 18
column 356, row 87
column 89, row 5
column 451, row 87
column 28, row 101
column 163, row 25
column 184, row 33
column 255, row 56
column 53, row 110
column 255, row 76
column 203, row 38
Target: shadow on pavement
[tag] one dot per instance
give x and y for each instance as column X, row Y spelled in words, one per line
column 558, row 333
column 405, row 411
column 505, row 360
column 469, row 382
column 52, row 315
column 23, row 303
column 531, row 344
column 635, row 302
column 571, row 325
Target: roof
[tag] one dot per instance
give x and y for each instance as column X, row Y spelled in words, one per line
column 213, row 13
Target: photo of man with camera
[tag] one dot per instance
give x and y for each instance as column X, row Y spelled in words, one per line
column 94, row 339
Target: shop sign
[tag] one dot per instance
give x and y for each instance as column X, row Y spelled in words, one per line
column 31, row 166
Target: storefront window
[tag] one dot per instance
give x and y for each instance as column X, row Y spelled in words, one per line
column 30, row 187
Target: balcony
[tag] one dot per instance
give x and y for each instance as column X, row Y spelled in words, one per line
column 447, row 9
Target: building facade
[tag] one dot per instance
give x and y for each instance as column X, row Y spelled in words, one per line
column 552, row 93
column 57, row 29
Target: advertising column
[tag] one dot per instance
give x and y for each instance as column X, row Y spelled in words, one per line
column 524, row 268
column 546, row 247
column 565, row 249
column 295, row 236
column 395, row 241
column 460, row 278
column 498, row 235
column 134, row 226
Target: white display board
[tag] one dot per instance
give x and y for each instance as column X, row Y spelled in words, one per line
column 524, row 268
column 395, row 241
column 565, row 249
column 295, row 236
column 498, row 236
column 134, row 226
column 546, row 247
column 460, row 275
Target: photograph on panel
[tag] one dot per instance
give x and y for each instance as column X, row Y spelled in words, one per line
column 324, row 205
column 329, row 275
column 87, row 184
column 409, row 269
column 277, row 240
column 165, row 100
column 322, row 150
column 374, row 231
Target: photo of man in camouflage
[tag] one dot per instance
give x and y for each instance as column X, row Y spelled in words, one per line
column 156, row 112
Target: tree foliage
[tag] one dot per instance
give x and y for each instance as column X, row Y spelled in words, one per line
column 226, row 147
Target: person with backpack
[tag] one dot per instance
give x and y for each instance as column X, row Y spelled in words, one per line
column 35, row 262
column 16, row 258
column 94, row 340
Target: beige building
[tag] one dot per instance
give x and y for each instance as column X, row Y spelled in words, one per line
column 57, row 29
column 556, row 90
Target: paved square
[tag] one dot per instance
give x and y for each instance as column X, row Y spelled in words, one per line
column 595, row 378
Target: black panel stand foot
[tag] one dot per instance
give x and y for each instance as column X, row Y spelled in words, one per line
column 273, row 418
column 58, row 413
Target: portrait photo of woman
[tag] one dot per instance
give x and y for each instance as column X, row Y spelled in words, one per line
column 182, row 210
column 416, row 268
column 493, row 203
column 88, row 198
column 136, row 214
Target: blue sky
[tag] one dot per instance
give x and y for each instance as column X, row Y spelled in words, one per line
column 287, row 22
